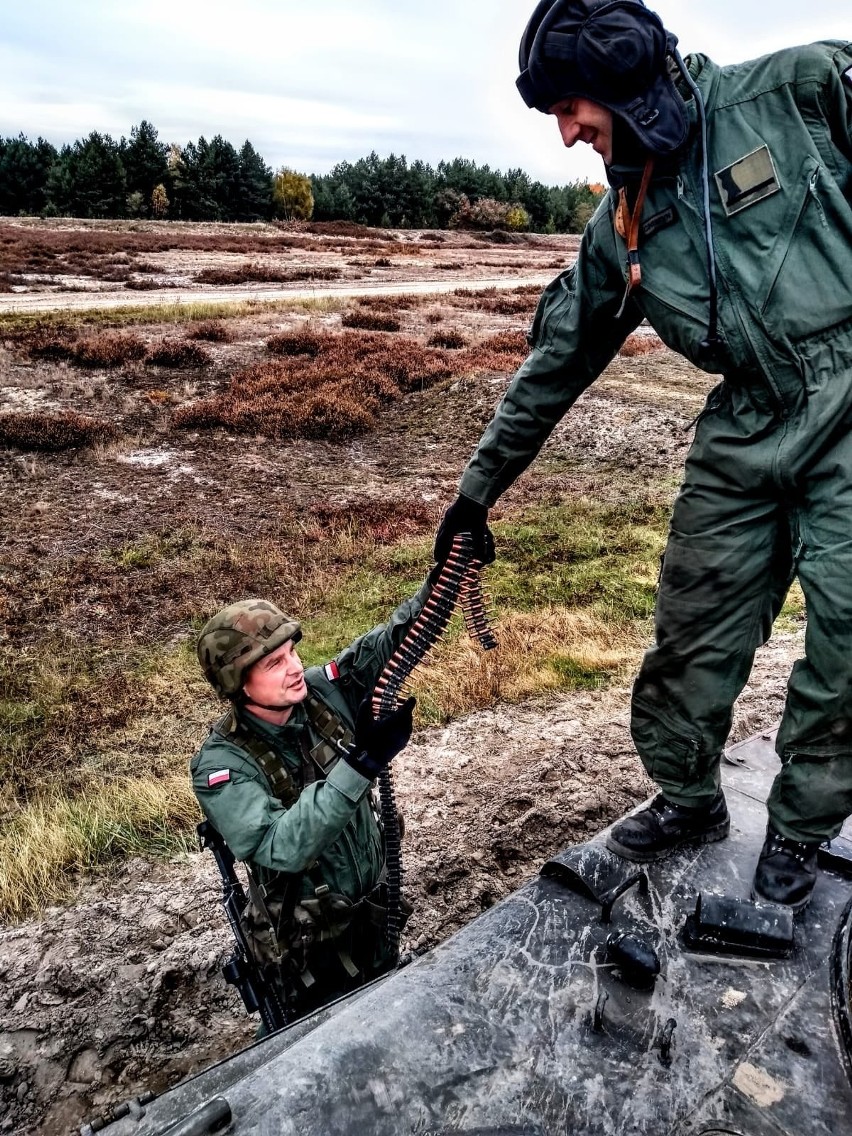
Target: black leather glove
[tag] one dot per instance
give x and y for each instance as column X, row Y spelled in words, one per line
column 378, row 740
column 465, row 515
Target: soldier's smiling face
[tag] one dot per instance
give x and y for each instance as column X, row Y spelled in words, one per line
column 581, row 120
column 277, row 680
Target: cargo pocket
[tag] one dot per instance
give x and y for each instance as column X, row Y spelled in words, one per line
column 671, row 757
column 813, row 794
column 808, row 284
column 556, row 300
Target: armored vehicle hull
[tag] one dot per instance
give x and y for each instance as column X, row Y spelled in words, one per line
column 523, row 1023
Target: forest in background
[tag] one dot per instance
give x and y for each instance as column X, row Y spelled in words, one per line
column 143, row 177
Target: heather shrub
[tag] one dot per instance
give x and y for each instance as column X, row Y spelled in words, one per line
column 506, row 342
column 369, row 321
column 294, row 343
column 260, row 274
column 45, row 343
column 383, row 262
column 178, row 353
column 214, row 331
column 449, row 265
column 52, row 429
column 145, row 284
column 640, row 345
column 332, row 394
column 108, row 349
column 449, row 338
column 516, row 302
column 434, row 317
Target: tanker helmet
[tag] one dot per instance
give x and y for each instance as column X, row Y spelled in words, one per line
column 239, row 635
column 613, row 52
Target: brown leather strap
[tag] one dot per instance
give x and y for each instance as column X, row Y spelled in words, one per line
column 633, row 267
column 628, row 225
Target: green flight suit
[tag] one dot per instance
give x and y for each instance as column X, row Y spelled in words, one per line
column 332, row 823
column 767, row 493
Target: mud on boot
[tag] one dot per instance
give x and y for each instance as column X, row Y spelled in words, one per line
column 786, row 871
column 663, row 826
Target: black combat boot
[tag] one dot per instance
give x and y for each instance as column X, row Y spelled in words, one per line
column 786, row 871
column 663, row 826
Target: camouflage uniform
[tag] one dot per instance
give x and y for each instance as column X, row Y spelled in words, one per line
column 326, row 837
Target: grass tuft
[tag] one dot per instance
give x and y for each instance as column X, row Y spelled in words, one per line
column 46, row 846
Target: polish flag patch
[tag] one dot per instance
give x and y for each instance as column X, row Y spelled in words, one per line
column 218, row 778
column 332, row 672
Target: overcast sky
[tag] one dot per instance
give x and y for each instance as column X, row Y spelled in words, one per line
column 314, row 82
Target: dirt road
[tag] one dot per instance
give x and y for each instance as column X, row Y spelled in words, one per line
column 79, row 301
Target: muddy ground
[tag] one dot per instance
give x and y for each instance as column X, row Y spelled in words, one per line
column 120, row 991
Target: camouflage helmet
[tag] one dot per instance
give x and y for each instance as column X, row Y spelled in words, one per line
column 237, row 637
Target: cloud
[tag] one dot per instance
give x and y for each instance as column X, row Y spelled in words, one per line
column 314, row 83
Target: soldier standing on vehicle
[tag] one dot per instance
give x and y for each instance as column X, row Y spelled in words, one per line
column 285, row 777
column 728, row 226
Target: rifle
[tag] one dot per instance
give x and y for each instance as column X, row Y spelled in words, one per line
column 242, row 970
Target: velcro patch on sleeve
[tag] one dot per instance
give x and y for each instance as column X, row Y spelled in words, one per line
column 847, row 75
column 332, row 673
column 747, row 180
column 220, row 777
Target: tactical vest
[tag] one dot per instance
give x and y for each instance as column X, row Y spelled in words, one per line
column 283, row 929
column 334, row 735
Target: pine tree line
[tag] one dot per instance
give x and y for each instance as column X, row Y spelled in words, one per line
column 212, row 181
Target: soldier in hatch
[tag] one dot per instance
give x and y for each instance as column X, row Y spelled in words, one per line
column 285, row 777
column 728, row 226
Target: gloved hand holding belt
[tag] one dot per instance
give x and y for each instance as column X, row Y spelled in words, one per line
column 378, row 740
column 465, row 515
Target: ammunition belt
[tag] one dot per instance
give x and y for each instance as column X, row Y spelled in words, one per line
column 459, row 582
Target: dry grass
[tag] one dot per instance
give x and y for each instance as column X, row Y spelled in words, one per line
column 46, row 846
column 538, row 651
column 52, row 429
